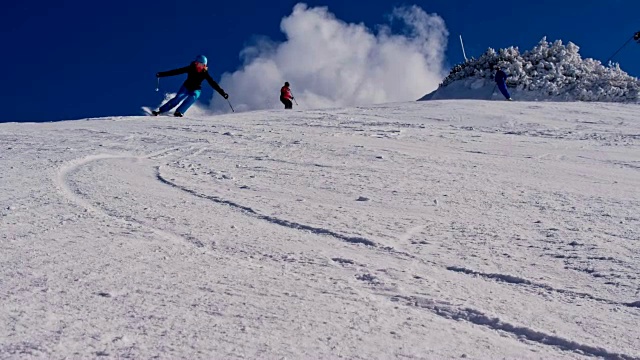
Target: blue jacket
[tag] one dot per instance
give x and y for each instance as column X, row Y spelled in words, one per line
column 501, row 77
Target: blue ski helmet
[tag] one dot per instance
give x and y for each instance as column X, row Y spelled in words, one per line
column 201, row 59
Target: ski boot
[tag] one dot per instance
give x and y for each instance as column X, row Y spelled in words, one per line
column 178, row 114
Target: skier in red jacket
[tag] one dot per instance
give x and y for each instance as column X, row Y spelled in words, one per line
column 285, row 96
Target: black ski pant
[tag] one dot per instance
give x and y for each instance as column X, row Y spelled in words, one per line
column 287, row 103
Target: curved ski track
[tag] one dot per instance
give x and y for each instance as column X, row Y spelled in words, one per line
column 274, row 220
column 62, row 183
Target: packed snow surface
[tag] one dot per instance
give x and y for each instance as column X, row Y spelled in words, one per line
column 425, row 230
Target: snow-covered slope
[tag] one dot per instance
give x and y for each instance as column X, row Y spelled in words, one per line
column 549, row 71
column 426, row 230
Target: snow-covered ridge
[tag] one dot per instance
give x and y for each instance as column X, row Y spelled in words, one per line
column 550, row 71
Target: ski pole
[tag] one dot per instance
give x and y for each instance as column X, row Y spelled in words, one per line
column 230, row 106
column 158, row 84
column 294, row 99
column 493, row 91
column 622, row 47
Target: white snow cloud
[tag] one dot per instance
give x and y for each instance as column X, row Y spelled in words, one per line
column 333, row 63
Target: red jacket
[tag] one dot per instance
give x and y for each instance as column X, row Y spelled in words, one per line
column 285, row 93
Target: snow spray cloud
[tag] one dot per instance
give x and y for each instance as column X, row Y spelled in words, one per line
column 331, row 63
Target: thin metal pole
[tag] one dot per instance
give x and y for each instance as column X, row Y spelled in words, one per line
column 463, row 52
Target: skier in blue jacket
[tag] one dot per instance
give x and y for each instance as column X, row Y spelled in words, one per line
column 501, row 82
column 191, row 88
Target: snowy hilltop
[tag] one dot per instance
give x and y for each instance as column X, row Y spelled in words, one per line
column 550, row 71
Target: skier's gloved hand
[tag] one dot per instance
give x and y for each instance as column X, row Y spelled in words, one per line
column 157, row 74
column 225, row 95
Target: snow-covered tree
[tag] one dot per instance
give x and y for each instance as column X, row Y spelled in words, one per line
column 553, row 69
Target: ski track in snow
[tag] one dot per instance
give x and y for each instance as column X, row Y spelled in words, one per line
column 271, row 219
column 522, row 332
column 62, row 182
column 510, row 279
column 356, row 240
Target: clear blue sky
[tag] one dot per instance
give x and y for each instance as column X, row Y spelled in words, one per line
column 75, row 59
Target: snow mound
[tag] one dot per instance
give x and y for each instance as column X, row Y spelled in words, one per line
column 550, row 71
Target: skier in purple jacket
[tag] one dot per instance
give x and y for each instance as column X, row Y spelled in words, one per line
column 501, row 82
